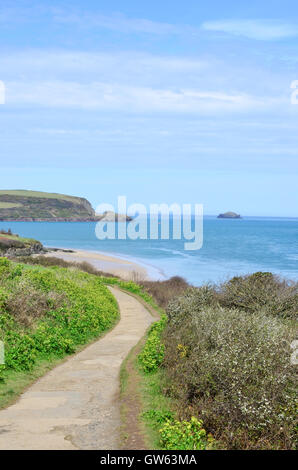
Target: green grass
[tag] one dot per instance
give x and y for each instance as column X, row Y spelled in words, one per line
column 157, row 408
column 39, row 194
column 9, row 205
column 45, row 315
column 20, row 239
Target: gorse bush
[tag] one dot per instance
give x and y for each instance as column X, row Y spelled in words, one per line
column 48, row 312
column 232, row 368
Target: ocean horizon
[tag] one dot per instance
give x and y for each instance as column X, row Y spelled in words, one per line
column 230, row 247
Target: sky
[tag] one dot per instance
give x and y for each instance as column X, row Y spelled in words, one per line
column 163, row 102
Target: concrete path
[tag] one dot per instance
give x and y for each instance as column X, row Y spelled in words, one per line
column 76, row 406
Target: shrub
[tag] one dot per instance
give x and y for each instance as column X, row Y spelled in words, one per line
column 260, row 291
column 184, row 435
column 164, row 291
column 153, row 352
column 232, row 368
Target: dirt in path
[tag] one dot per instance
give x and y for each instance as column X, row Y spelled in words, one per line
column 76, row 405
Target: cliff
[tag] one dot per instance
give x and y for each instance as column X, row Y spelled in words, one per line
column 22, row 205
column 11, row 245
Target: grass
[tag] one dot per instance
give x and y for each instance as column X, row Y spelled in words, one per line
column 45, row 315
column 156, row 407
column 16, row 382
column 9, row 205
column 17, row 238
column 39, row 194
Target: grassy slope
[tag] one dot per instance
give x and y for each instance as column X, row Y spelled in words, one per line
column 39, row 194
column 17, row 238
column 9, row 205
column 46, row 314
column 13, row 241
column 22, row 204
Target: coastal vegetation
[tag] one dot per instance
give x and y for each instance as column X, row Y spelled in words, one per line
column 215, row 370
column 14, row 245
column 223, row 358
column 23, row 205
column 36, row 205
column 46, row 314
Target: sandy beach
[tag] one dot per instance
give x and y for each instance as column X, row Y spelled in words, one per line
column 123, row 268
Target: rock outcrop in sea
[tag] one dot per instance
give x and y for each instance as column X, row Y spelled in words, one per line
column 229, row 215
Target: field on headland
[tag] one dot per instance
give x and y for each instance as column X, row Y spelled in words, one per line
column 36, row 205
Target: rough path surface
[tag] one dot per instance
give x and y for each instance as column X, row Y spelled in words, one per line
column 76, row 406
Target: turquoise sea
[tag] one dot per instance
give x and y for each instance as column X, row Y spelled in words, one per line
column 230, row 247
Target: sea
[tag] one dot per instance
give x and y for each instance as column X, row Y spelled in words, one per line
column 230, row 247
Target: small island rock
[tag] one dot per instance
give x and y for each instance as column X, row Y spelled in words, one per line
column 229, row 215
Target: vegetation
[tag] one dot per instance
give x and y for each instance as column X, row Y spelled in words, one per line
column 47, row 313
column 35, row 205
column 12, row 242
column 169, row 433
column 227, row 360
column 40, row 194
column 49, row 261
column 152, row 354
column 164, row 291
column 215, row 371
column 222, row 359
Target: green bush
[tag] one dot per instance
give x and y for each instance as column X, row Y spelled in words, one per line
column 184, row 435
column 153, row 352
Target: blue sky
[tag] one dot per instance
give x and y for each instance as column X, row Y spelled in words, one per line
column 170, row 101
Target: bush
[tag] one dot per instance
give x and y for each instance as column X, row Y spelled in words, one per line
column 184, row 435
column 164, row 291
column 153, row 352
column 232, row 368
column 260, row 291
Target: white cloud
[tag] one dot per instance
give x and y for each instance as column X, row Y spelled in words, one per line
column 135, row 82
column 83, row 65
column 112, row 97
column 265, row 30
column 117, row 22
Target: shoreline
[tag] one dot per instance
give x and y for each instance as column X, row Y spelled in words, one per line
column 124, row 267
